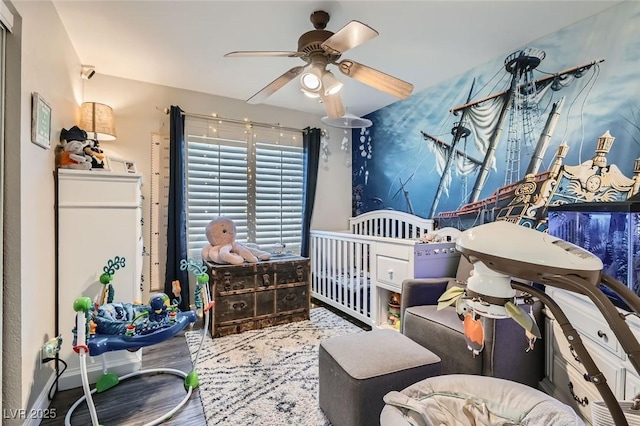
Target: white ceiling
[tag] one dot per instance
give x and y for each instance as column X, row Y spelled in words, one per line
column 182, row 43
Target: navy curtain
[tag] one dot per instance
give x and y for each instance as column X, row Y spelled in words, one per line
column 177, row 215
column 311, row 145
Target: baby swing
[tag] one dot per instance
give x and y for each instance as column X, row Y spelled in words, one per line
column 108, row 326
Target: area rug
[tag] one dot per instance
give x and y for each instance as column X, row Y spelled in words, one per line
column 268, row 376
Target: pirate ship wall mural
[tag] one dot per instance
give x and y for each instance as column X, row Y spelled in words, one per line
column 556, row 121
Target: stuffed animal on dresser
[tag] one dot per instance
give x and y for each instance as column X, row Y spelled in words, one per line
column 92, row 149
column 73, row 142
column 223, row 248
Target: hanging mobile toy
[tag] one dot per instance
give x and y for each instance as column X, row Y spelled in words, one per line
column 531, row 338
column 473, row 332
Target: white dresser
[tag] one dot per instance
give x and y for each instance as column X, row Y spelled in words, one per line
column 99, row 218
column 565, row 374
column 403, row 259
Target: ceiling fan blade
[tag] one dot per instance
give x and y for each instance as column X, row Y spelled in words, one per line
column 333, row 105
column 377, row 79
column 351, row 35
column 275, row 85
column 245, row 53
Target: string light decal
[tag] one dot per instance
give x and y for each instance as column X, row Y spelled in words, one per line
column 366, row 149
column 324, row 146
column 346, row 148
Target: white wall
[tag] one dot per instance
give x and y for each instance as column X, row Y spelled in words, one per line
column 51, row 67
column 138, row 111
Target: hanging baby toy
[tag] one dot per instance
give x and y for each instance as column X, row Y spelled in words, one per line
column 471, row 306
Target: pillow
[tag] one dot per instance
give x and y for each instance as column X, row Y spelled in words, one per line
column 461, row 400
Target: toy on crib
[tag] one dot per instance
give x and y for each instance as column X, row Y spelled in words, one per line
column 441, row 235
column 223, row 248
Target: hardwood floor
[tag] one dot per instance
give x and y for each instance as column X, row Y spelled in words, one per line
column 141, row 399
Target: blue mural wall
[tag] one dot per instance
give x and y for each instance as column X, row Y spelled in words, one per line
column 398, row 163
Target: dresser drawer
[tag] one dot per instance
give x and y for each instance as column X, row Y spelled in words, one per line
column 291, row 298
column 291, row 272
column 631, row 385
column 611, row 371
column 393, row 271
column 234, row 307
column 570, row 382
column 86, row 188
column 588, row 321
column 232, row 279
column 400, row 250
column 265, row 302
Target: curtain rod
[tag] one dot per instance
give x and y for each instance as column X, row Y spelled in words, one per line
column 233, row 120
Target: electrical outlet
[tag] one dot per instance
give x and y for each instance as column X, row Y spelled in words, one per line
column 50, row 349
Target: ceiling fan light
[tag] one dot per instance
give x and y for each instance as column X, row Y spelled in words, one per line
column 310, row 81
column 330, row 83
column 310, row 94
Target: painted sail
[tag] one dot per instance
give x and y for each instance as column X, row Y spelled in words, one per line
column 463, row 165
column 484, row 120
column 516, row 111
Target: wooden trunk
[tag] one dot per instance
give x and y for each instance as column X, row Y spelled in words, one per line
column 257, row 295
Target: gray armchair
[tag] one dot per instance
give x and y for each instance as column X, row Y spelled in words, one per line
column 505, row 352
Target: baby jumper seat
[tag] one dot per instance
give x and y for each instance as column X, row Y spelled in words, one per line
column 106, row 326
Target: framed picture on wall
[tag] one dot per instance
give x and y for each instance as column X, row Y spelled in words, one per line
column 40, row 121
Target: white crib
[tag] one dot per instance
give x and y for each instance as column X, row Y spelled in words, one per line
column 354, row 271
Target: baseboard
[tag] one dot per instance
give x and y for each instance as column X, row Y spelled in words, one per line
column 72, row 379
column 42, row 405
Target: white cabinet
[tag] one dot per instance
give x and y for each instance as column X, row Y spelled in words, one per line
column 405, row 259
column 565, row 374
column 99, row 218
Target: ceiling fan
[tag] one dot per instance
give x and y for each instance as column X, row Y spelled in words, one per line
column 320, row 48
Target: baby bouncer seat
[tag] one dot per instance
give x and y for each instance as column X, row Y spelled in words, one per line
column 106, row 326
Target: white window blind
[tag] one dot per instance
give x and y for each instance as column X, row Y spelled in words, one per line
column 278, row 194
column 252, row 175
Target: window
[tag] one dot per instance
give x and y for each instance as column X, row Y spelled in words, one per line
column 250, row 174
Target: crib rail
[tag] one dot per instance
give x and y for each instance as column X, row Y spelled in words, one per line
column 390, row 224
column 341, row 269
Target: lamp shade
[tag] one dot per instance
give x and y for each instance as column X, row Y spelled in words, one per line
column 98, row 119
column 347, row 121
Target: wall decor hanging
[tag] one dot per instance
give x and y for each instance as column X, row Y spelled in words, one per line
column 40, row 121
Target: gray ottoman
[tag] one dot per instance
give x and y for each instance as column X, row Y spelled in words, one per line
column 357, row 370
